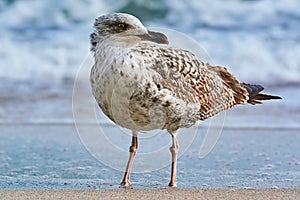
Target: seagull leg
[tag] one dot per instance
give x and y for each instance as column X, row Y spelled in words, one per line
column 174, row 151
column 132, row 149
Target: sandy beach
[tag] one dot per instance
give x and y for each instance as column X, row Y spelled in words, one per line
column 56, row 144
column 169, row 193
column 258, row 149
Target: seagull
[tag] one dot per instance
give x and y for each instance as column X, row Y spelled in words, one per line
column 142, row 84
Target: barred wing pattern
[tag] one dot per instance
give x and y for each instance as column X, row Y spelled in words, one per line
column 193, row 81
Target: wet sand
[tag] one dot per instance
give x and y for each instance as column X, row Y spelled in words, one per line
column 152, row 194
column 41, row 158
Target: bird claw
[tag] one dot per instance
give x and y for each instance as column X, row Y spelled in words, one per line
column 172, row 184
column 125, row 184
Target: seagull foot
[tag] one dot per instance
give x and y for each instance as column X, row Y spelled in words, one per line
column 125, row 184
column 172, row 184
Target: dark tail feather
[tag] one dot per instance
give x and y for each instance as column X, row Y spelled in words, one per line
column 255, row 97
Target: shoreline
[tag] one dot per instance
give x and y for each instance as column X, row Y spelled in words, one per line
column 168, row 193
column 54, row 158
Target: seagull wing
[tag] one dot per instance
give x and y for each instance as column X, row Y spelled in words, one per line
column 193, row 81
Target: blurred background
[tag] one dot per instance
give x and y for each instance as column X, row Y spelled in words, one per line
column 43, row 43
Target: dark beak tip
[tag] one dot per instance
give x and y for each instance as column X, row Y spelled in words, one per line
column 161, row 38
column 156, row 37
column 166, row 41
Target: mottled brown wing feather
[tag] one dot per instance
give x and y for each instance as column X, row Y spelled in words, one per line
column 189, row 79
column 238, row 90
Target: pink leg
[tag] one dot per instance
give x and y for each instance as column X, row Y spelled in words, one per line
column 132, row 149
column 174, row 151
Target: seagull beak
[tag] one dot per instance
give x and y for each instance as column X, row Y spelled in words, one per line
column 155, row 37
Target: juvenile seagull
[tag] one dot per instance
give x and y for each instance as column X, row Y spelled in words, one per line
column 142, row 84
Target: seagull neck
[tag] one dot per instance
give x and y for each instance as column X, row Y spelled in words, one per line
column 106, row 53
column 114, row 45
column 120, row 42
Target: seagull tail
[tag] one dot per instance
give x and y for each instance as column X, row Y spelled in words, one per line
column 255, row 97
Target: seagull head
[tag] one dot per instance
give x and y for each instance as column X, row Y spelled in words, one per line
column 124, row 30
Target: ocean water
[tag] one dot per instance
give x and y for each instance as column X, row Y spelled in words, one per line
column 44, row 43
column 43, row 157
column 257, row 40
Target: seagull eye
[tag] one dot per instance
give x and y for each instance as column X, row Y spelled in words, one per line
column 121, row 25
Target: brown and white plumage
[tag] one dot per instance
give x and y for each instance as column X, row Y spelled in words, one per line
column 142, row 85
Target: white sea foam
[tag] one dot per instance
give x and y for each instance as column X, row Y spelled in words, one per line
column 259, row 41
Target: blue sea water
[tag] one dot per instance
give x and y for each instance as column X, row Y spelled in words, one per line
column 257, row 40
column 43, row 157
column 43, row 44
